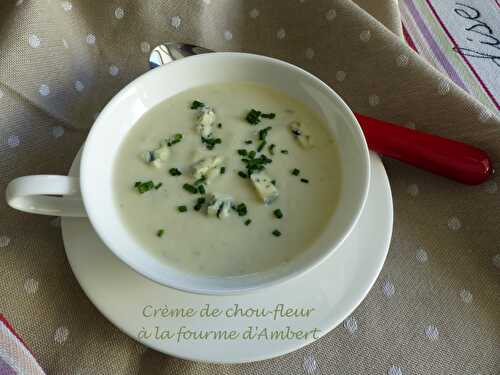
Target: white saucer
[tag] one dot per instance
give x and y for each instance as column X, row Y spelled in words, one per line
column 334, row 288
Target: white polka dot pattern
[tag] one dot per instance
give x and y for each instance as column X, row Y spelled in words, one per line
column 365, row 36
column 351, row 325
column 454, row 223
column 119, row 13
column 228, row 35
column 340, row 75
column 394, row 370
column 466, row 296
column 34, row 41
column 31, row 286
column 57, row 131
column 254, row 13
column 90, row 39
column 79, row 86
column 145, row 47
column 374, row 100
column 412, row 190
column 4, row 241
column 388, row 289
column 114, row 70
column 310, row 53
column 330, row 15
column 309, row 364
column 44, row 89
column 431, row 332
column 421, row 256
column 13, row 141
column 176, row 21
column 61, row 335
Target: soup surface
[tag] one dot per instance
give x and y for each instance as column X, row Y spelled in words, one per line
column 227, row 179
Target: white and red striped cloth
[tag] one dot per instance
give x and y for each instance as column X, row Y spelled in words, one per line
column 15, row 357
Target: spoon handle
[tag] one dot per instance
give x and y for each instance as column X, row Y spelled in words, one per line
column 442, row 156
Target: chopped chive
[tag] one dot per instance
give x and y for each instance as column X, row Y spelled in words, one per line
column 160, row 232
column 263, row 133
column 174, row 172
column 273, row 182
column 248, row 221
column 271, row 148
column 201, row 189
column 278, row 213
column 261, row 146
column 158, row 185
column 200, row 181
column 222, row 170
column 219, row 125
column 248, row 142
column 176, row 138
column 252, row 154
column 196, row 104
column 210, row 142
column 190, row 188
column 182, row 208
column 143, row 187
column 284, row 152
column 295, row 172
column 241, row 209
column 242, row 174
column 276, row 233
column 269, row 115
column 242, row 152
column 304, row 180
column 199, row 204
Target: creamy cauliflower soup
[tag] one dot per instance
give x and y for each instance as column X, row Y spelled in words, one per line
column 227, row 179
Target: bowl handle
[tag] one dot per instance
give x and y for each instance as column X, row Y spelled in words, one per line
column 46, row 195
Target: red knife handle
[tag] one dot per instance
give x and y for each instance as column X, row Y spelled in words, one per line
column 442, row 156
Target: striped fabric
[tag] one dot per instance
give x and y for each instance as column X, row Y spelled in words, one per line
column 461, row 38
column 15, row 358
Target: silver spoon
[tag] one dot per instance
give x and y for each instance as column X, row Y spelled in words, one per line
column 452, row 159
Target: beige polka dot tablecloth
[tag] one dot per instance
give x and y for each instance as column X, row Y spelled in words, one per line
column 435, row 308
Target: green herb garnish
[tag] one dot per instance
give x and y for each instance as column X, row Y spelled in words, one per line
column 219, row 125
column 210, row 142
column 241, row 209
column 278, row 213
column 242, row 152
column 196, row 104
column 222, row 170
column 201, row 189
column 263, row 133
column 242, row 174
column 174, row 172
column 143, row 187
column 248, row 221
column 254, row 164
column 249, row 142
column 284, row 152
column 158, row 185
column 273, row 182
column 253, row 117
column 261, row 146
column 295, row 172
column 176, row 138
column 304, row 180
column 271, row 148
column 199, row 203
column 200, row 181
column 182, row 208
column 190, row 188
column 276, row 233
column 160, row 232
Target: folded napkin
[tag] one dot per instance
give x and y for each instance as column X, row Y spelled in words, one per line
column 15, row 357
column 435, row 307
